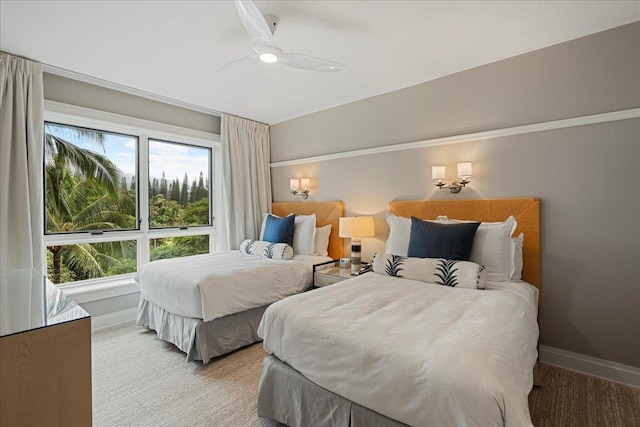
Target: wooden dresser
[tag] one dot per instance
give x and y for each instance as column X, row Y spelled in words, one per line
column 45, row 354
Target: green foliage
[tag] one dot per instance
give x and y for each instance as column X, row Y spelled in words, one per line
column 197, row 213
column 66, row 275
column 122, row 266
column 173, row 247
column 163, row 212
column 170, row 213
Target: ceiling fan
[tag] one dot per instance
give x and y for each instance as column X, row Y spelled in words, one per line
column 265, row 48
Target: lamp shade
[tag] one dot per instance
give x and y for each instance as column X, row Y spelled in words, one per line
column 293, row 184
column 356, row 226
column 464, row 170
column 437, row 172
column 304, row 183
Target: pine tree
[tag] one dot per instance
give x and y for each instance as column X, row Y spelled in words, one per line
column 175, row 190
column 155, row 187
column 164, row 190
column 123, row 184
column 194, row 191
column 132, row 188
column 202, row 191
column 184, row 192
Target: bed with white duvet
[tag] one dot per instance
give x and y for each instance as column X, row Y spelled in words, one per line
column 442, row 332
column 208, row 305
column 418, row 353
column 215, row 285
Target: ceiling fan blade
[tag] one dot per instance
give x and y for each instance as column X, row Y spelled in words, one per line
column 254, row 22
column 309, row 63
column 235, row 63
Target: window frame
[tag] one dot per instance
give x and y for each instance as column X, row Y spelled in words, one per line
column 65, row 114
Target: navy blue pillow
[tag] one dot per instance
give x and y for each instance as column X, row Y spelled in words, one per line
column 279, row 230
column 448, row 241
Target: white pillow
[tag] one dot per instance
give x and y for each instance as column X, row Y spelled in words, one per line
column 399, row 235
column 280, row 251
column 515, row 266
column 322, row 240
column 303, row 233
column 461, row 274
column 492, row 247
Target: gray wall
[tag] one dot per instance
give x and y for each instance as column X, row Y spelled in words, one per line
column 62, row 89
column 587, row 177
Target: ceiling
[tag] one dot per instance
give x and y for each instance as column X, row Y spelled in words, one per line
column 173, row 48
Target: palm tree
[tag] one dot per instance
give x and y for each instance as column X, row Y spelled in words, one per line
column 82, row 194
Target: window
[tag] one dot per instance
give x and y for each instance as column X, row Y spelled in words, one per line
column 117, row 196
column 89, row 180
column 178, row 185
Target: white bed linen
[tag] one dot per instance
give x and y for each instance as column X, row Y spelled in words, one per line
column 422, row 354
column 215, row 285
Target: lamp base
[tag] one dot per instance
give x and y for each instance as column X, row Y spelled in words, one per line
column 356, row 261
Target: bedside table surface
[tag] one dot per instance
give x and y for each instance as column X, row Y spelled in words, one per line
column 336, row 271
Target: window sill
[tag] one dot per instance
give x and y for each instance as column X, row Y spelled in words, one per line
column 105, row 288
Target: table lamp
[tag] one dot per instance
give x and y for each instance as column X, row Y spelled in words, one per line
column 355, row 228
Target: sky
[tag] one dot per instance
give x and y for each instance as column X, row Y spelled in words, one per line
column 174, row 159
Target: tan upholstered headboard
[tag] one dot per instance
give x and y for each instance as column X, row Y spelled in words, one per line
column 526, row 212
column 326, row 213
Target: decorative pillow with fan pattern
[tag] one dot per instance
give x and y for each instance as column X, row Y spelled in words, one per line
column 281, row 251
column 446, row 272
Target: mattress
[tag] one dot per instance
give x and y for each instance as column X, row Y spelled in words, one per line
column 212, row 286
column 418, row 353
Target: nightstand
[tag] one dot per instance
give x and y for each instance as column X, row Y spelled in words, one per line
column 329, row 275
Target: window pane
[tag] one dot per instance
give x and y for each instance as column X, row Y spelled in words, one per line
column 89, row 180
column 174, row 247
column 82, row 261
column 179, row 182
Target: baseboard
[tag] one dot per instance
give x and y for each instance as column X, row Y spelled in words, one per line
column 112, row 319
column 612, row 371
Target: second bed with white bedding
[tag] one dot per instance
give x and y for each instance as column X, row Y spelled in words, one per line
column 215, row 285
column 418, row 353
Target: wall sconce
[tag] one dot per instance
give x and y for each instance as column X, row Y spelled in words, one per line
column 295, row 185
column 464, row 171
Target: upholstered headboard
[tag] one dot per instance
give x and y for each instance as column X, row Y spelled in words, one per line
column 326, row 213
column 526, row 212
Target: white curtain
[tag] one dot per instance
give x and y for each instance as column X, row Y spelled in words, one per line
column 21, row 163
column 246, row 154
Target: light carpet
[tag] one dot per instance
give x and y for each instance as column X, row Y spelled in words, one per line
column 139, row 380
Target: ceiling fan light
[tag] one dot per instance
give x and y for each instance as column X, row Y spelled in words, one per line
column 269, row 58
